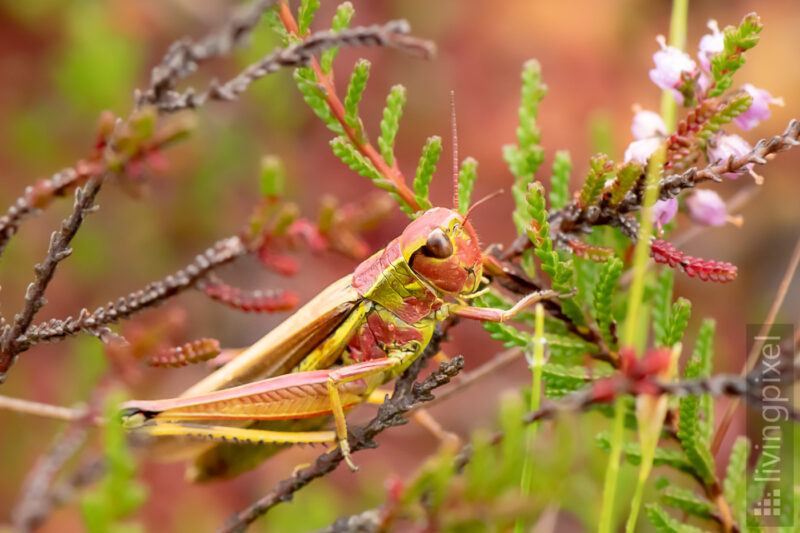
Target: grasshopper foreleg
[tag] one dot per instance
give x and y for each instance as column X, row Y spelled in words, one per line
column 490, row 314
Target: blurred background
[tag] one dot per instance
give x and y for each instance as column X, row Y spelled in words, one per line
column 62, row 62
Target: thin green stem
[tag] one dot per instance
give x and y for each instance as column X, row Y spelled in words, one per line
column 640, row 256
column 649, row 436
column 642, row 251
column 677, row 38
column 612, row 469
column 677, row 35
column 536, row 393
column 636, row 502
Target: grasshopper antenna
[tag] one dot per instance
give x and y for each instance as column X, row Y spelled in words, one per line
column 455, row 148
column 481, row 201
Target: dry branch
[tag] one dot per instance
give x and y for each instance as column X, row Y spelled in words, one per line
column 155, row 293
column 392, row 34
column 59, row 250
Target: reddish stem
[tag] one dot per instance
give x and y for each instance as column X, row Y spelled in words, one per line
column 337, row 108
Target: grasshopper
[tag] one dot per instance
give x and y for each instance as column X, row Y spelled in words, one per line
column 334, row 352
column 358, row 334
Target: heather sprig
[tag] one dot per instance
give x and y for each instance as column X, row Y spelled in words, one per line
column 559, row 182
column 600, row 171
column 355, row 89
column 341, row 21
column 390, row 123
column 425, row 170
column 737, row 40
column 466, row 183
column 524, row 158
column 603, row 293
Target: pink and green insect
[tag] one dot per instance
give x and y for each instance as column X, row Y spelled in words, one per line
column 358, row 334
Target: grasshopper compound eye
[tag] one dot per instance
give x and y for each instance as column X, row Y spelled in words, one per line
column 438, row 245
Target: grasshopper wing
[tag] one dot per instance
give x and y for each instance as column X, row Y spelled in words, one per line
column 283, row 348
column 277, row 353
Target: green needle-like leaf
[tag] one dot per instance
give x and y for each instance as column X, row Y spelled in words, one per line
column 524, row 159
column 306, row 14
column 562, row 273
column 273, row 176
column 626, row 177
column 735, row 484
column 662, row 296
column 391, row 122
column 687, row 501
column 664, row 523
column 559, row 183
column 678, row 320
column 344, row 150
column 341, row 21
column 315, row 98
column 737, row 40
column 603, row 291
column 601, row 170
column 355, row 89
column 425, row 170
column 727, row 112
column 699, row 366
column 692, row 440
column 663, row 456
column 466, row 183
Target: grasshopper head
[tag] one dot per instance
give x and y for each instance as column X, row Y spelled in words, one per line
column 442, row 247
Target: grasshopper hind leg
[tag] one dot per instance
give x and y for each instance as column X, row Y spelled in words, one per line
column 236, row 435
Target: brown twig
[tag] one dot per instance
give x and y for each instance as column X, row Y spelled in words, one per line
column 295, row 55
column 406, row 394
column 155, row 293
column 470, row 378
column 46, row 410
column 35, row 504
column 59, row 250
column 183, row 56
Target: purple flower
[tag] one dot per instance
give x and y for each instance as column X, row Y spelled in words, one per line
column 723, row 146
column 710, row 45
column 758, row 110
column 703, row 82
column 707, row 208
column 648, row 124
column 641, row 150
column 664, row 211
column 670, row 63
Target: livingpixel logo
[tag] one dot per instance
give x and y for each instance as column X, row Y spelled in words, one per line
column 770, row 489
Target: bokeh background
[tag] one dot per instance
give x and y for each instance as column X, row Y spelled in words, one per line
column 62, row 62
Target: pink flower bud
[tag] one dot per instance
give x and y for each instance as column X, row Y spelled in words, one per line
column 641, row 150
column 723, row 146
column 670, row 63
column 707, row 208
column 758, row 110
column 664, row 211
column 648, row 124
column 710, row 45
